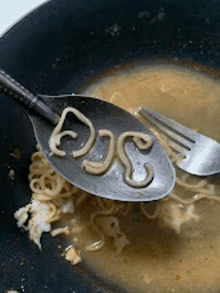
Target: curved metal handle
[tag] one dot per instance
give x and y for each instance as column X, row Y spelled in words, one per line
column 26, row 98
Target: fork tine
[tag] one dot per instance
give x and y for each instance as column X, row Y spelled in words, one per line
column 181, row 134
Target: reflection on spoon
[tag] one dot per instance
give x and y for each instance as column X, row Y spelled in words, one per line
column 138, row 138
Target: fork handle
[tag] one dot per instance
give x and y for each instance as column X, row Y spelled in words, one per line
column 13, row 88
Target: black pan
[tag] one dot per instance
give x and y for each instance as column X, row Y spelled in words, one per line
column 57, row 49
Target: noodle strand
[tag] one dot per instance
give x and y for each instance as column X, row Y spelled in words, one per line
column 138, row 138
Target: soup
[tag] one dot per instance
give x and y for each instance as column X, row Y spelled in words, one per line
column 161, row 258
column 170, row 245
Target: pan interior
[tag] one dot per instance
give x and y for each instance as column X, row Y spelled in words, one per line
column 160, row 255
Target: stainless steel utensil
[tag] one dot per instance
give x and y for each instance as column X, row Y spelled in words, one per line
column 103, row 115
column 201, row 153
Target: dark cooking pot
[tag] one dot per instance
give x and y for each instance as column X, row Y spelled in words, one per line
column 56, row 49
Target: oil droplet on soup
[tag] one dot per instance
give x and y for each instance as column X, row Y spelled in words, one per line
column 158, row 259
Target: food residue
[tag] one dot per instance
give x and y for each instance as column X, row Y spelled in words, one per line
column 72, row 255
column 11, row 174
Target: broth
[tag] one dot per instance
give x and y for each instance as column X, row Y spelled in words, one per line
column 169, row 245
column 158, row 259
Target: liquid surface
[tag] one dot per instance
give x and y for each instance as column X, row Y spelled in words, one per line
column 158, row 259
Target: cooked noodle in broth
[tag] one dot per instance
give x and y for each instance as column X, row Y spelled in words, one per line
column 97, row 168
column 171, row 247
column 56, row 135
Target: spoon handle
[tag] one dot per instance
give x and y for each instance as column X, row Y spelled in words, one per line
column 11, row 87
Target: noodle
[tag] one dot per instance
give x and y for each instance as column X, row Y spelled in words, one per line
column 98, row 168
column 98, row 244
column 82, row 197
column 127, row 209
column 53, row 197
column 198, row 187
column 176, row 214
column 57, row 134
column 174, row 157
column 154, row 215
column 112, row 229
column 138, row 138
column 105, row 212
column 195, row 198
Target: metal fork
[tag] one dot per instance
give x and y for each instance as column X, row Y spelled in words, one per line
column 201, row 153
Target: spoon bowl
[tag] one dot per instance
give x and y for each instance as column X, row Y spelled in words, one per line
column 104, row 115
